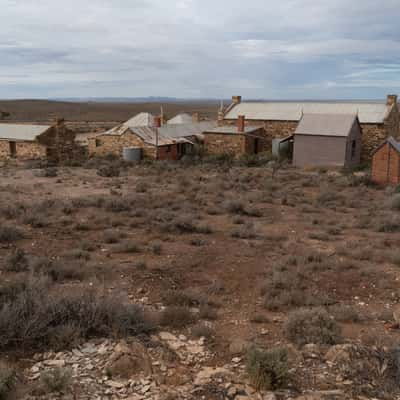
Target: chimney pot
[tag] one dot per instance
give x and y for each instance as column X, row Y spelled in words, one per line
column 195, row 118
column 236, row 99
column 157, row 122
column 391, row 99
column 241, row 123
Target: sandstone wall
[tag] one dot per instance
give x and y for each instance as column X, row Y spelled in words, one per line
column 219, row 143
column 109, row 144
column 24, row 150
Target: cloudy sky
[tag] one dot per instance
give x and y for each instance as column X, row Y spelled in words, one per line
column 287, row 49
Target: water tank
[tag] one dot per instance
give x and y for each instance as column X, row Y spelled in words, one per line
column 132, row 154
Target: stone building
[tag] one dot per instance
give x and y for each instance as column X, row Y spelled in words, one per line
column 172, row 140
column 280, row 119
column 386, row 163
column 327, row 140
column 235, row 141
column 28, row 142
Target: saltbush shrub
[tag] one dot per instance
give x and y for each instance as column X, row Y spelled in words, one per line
column 267, row 369
column 30, row 319
column 312, row 326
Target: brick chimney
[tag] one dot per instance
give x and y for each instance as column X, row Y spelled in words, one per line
column 240, row 123
column 157, row 122
column 391, row 99
column 195, row 118
column 236, row 99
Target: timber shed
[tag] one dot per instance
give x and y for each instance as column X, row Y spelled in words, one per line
column 386, row 163
column 332, row 140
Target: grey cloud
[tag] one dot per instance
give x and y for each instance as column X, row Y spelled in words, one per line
column 196, row 48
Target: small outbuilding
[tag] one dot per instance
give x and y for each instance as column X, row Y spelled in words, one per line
column 386, row 163
column 327, row 140
column 29, row 142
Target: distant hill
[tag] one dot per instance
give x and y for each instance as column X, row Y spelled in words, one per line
column 44, row 110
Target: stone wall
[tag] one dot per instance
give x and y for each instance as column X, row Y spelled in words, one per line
column 114, row 144
column 220, row 143
column 60, row 144
column 24, row 150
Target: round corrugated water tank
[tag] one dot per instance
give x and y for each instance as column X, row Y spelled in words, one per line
column 132, row 153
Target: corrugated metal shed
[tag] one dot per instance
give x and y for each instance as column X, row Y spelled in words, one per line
column 22, row 132
column 326, row 124
column 293, row 111
column 141, row 119
column 183, row 118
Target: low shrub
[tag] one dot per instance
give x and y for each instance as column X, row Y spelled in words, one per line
column 395, row 202
column 208, row 313
column 9, row 234
column 312, row 326
column 268, row 369
column 109, row 171
column 156, row 248
column 180, row 298
column 126, row 247
column 29, row 320
column 203, row 330
column 7, row 380
column 176, row 317
column 56, row 380
column 17, row 261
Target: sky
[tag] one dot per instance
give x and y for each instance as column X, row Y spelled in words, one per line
column 287, row 49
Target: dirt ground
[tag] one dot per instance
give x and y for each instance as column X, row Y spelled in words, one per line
column 244, row 247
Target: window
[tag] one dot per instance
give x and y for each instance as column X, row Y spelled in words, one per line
column 98, row 142
column 13, row 149
column 353, row 148
column 168, row 149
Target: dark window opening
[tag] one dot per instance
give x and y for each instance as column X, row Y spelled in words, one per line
column 168, row 149
column 98, row 142
column 13, row 149
column 353, row 148
column 256, row 141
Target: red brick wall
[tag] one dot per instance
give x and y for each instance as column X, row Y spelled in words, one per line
column 386, row 166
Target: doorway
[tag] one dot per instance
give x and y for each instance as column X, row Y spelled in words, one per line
column 13, row 149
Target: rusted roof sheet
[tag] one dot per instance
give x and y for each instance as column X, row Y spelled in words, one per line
column 326, row 124
column 22, row 132
column 293, row 111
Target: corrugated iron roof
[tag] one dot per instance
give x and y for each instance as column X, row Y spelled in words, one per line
column 326, row 124
column 187, row 130
column 391, row 140
column 149, row 136
column 233, row 129
column 141, row 119
column 293, row 111
column 182, row 118
column 21, row 132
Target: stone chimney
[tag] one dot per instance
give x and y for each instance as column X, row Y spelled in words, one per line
column 157, row 122
column 195, row 118
column 391, row 99
column 236, row 99
column 241, row 123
